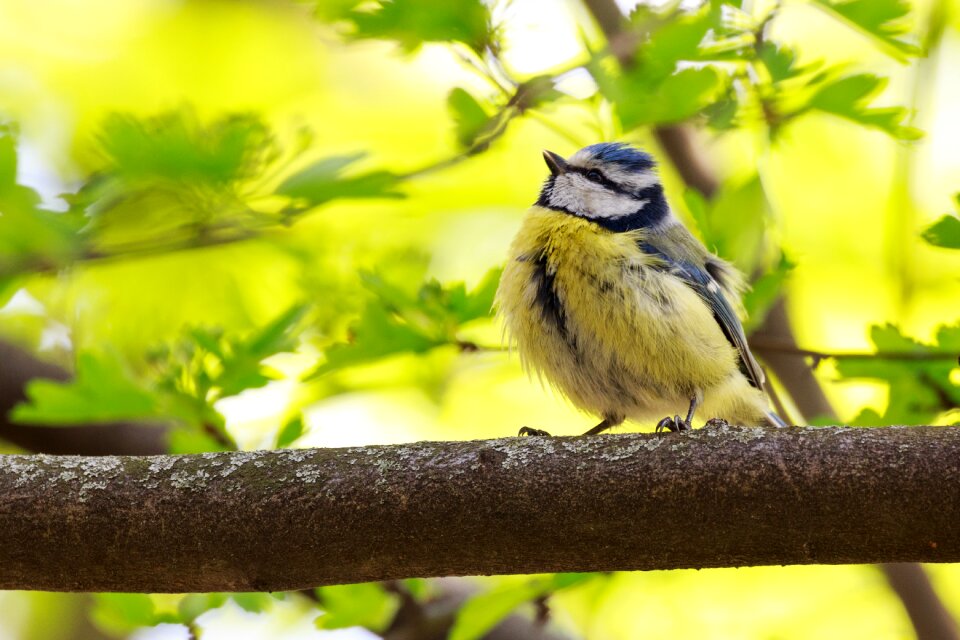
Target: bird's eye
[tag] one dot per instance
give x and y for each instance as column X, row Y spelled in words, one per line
column 594, row 175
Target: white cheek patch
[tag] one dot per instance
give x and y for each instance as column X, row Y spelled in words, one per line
column 574, row 192
column 607, row 204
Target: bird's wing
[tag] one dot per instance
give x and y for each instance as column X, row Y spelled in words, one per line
column 711, row 292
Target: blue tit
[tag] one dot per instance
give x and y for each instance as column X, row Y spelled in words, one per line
column 611, row 299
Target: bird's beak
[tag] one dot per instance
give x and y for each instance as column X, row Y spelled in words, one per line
column 556, row 162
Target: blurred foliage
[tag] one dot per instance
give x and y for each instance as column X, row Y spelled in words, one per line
column 412, row 23
column 885, row 20
column 271, row 264
column 945, row 232
column 100, row 391
column 483, row 612
column 356, row 605
column 918, row 376
column 399, row 320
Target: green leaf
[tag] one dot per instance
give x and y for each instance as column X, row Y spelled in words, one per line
column 177, row 146
column 356, row 605
column 867, row 418
column 535, row 92
column 253, row 602
column 781, row 61
column 722, row 114
column 399, row 321
column 171, row 178
column 335, row 10
column 848, row 97
column 322, row 181
column 732, row 224
column 479, row 302
column 672, row 36
column 207, row 365
column 764, row 292
column 679, row 97
column 193, row 605
column 920, row 389
column 376, row 335
column 31, row 238
column 883, row 20
column 470, row 118
column 278, row 336
column 290, row 432
column 483, row 612
column 945, row 232
column 948, row 338
column 122, row 613
column 655, row 89
column 190, row 438
column 101, row 391
column 843, row 94
column 12, row 193
column 414, row 22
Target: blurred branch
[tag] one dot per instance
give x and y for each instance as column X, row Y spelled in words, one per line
column 433, row 619
column 787, row 363
column 281, row 520
column 122, row 438
column 763, row 344
column 677, row 141
column 501, row 119
column 929, row 616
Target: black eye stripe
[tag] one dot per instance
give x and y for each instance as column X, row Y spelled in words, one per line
column 596, row 176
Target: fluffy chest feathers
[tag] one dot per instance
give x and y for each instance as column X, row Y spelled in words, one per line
column 590, row 311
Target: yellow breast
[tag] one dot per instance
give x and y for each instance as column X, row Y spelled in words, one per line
column 586, row 308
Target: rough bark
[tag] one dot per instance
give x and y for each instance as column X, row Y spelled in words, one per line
column 284, row 520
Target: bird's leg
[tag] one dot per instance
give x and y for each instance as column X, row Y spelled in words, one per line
column 530, row 431
column 667, row 424
column 676, row 423
column 606, row 423
column 694, row 403
column 609, row 421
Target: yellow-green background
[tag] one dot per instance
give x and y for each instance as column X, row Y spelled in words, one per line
column 848, row 202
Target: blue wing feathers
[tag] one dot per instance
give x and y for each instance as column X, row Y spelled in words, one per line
column 705, row 285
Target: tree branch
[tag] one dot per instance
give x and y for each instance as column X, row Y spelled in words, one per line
column 929, row 616
column 284, row 520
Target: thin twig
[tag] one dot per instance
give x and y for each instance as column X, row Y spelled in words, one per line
column 762, row 344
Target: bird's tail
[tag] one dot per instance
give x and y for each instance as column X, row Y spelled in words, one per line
column 775, row 420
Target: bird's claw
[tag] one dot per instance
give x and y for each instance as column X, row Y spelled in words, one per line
column 530, row 431
column 676, row 423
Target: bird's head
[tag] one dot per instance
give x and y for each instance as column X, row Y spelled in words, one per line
column 611, row 183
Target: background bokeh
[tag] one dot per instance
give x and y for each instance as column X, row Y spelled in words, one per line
column 242, row 206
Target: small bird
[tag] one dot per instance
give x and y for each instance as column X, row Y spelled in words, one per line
column 611, row 299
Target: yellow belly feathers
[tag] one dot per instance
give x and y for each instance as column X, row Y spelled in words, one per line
column 586, row 310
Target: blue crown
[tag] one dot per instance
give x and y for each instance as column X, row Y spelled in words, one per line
column 628, row 157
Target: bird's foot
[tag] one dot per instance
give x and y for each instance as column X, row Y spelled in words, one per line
column 716, row 422
column 530, row 431
column 676, row 423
